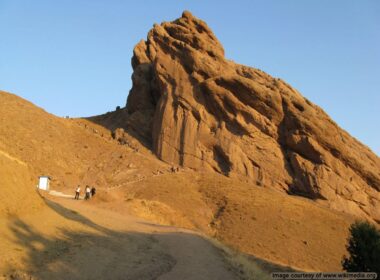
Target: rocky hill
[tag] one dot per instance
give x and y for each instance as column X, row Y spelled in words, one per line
column 197, row 109
column 261, row 222
column 239, row 153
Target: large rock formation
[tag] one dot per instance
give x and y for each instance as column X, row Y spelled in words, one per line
column 200, row 110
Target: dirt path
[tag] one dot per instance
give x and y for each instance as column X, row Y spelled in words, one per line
column 108, row 245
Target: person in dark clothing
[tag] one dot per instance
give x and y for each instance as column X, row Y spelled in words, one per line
column 93, row 191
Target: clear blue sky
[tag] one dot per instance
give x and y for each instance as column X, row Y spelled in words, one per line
column 72, row 57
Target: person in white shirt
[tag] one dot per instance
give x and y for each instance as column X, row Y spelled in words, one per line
column 77, row 192
column 88, row 193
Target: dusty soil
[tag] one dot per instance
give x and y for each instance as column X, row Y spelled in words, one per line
column 78, row 240
column 16, row 185
column 260, row 222
column 286, row 230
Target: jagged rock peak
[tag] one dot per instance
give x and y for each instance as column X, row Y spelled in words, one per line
column 199, row 110
column 186, row 32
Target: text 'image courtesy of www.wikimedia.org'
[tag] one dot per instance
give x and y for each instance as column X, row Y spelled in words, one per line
column 324, row 275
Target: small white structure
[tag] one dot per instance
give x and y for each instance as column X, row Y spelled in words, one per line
column 44, row 182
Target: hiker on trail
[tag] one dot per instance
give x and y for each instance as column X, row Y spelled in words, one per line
column 88, row 193
column 77, row 192
column 93, row 191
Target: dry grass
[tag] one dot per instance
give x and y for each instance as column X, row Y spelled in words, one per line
column 17, row 195
column 244, row 266
column 257, row 221
column 290, row 231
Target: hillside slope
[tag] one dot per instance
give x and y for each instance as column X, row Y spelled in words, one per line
column 68, row 150
column 261, row 222
column 17, row 195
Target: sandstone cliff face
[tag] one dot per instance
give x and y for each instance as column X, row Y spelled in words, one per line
column 200, row 110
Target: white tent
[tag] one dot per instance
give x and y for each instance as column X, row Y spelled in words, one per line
column 44, row 182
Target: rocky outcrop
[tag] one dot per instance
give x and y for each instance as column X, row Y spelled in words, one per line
column 198, row 109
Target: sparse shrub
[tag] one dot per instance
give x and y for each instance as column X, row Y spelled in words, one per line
column 364, row 248
column 117, row 108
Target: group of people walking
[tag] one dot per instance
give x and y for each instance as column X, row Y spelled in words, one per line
column 88, row 192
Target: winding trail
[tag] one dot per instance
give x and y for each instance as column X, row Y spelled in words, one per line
column 119, row 246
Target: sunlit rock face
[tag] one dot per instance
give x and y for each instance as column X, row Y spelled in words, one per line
column 202, row 111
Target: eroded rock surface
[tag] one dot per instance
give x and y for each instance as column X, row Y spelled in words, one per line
column 200, row 110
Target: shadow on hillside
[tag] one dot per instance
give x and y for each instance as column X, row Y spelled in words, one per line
column 93, row 253
column 97, row 252
column 88, row 255
column 75, row 216
column 118, row 119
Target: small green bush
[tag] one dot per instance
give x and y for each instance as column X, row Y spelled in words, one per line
column 364, row 248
